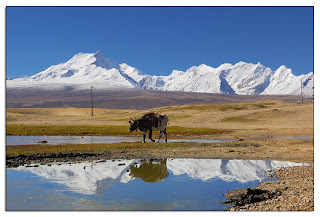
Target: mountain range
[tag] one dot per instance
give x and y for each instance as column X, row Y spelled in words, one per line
column 86, row 69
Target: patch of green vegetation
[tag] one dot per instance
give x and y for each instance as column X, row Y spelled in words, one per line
column 39, row 130
column 31, row 112
column 226, row 107
column 29, row 150
column 101, row 130
column 9, row 118
column 237, row 119
column 221, row 107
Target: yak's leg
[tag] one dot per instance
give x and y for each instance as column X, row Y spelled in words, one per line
column 150, row 135
column 161, row 132
column 165, row 134
column 144, row 136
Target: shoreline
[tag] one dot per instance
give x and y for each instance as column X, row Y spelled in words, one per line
column 290, row 150
column 294, row 191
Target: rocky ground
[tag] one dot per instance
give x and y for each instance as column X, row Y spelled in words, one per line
column 293, row 192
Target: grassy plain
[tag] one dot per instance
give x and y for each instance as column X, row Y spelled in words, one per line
column 222, row 121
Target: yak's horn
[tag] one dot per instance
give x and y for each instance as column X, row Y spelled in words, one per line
column 131, row 119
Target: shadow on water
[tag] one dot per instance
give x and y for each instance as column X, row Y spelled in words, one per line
column 180, row 184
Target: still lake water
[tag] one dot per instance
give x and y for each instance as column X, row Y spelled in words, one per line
column 58, row 140
column 163, row 184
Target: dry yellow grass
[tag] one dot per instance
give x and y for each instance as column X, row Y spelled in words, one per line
column 266, row 118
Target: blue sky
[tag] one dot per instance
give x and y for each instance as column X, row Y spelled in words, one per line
column 157, row 40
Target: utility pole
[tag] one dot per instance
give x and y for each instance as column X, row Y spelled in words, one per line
column 91, row 102
column 301, row 93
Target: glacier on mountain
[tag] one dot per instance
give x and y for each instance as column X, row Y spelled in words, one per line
column 86, row 69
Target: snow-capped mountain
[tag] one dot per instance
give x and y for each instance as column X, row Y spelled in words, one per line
column 283, row 81
column 84, row 70
column 204, row 79
column 142, row 80
column 80, row 70
column 247, row 78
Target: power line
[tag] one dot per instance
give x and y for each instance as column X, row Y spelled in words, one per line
column 91, row 101
column 301, row 93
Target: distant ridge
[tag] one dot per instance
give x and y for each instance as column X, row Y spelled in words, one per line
column 86, row 69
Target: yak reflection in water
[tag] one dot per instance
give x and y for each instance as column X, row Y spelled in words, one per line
column 150, row 171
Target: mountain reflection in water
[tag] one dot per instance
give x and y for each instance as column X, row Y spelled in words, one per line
column 93, row 178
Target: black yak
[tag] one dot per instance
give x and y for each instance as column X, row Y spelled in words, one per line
column 150, row 122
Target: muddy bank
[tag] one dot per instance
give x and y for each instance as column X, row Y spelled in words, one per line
column 293, row 192
column 292, row 150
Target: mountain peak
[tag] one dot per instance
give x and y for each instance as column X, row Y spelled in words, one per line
column 102, row 61
column 283, row 67
column 99, row 54
column 240, row 63
column 283, row 70
column 205, row 68
column 203, row 65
